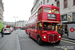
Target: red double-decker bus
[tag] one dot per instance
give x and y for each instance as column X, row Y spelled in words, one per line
column 42, row 25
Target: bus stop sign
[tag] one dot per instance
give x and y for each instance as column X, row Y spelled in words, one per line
column 72, row 29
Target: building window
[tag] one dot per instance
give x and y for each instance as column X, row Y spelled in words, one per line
column 64, row 17
column 58, row 4
column 47, row 1
column 65, row 3
column 73, row 2
column 55, row 0
column 73, row 17
column 43, row 1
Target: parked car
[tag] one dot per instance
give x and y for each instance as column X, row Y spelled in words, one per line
column 7, row 30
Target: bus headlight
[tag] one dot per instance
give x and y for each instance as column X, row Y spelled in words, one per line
column 44, row 37
column 59, row 36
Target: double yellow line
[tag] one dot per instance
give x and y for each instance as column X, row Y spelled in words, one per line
column 64, row 48
column 68, row 42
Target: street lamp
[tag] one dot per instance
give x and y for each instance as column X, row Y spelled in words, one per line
column 15, row 19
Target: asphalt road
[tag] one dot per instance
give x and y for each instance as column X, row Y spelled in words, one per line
column 10, row 41
column 3, row 39
column 27, row 43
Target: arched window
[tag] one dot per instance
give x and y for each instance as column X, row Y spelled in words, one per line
column 41, row 3
column 65, row 3
column 47, row 1
column 58, row 4
column 73, row 2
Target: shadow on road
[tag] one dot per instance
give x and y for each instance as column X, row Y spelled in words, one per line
column 46, row 43
column 7, row 34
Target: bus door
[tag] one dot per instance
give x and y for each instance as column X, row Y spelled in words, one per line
column 40, row 28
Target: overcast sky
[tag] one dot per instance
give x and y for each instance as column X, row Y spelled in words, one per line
column 18, row 8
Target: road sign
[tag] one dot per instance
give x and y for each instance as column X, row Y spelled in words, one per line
column 71, row 31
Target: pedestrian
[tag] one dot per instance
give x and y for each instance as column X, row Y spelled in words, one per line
column 2, row 32
column 61, row 29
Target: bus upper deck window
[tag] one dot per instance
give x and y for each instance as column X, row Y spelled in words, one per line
column 48, row 10
column 55, row 11
column 40, row 10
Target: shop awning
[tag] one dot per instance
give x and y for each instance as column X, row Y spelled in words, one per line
column 68, row 23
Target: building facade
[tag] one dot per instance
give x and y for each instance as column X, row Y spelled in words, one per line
column 9, row 23
column 1, row 10
column 20, row 23
column 67, row 10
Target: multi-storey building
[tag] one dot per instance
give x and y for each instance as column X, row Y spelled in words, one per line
column 67, row 9
column 9, row 23
column 1, row 10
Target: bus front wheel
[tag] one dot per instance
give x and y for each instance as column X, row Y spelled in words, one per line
column 39, row 41
column 57, row 42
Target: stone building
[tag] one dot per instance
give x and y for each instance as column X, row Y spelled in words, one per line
column 1, row 10
column 20, row 23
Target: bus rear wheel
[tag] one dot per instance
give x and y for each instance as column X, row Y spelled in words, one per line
column 39, row 41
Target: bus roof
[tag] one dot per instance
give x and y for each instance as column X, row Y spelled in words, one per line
column 49, row 6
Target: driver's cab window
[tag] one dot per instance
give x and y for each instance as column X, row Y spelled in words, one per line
column 46, row 26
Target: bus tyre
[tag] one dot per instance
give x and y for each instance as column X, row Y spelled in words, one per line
column 39, row 41
column 57, row 42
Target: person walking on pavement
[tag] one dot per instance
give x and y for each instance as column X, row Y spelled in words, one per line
column 61, row 29
column 2, row 32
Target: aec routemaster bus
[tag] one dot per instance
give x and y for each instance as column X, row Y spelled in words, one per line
column 42, row 26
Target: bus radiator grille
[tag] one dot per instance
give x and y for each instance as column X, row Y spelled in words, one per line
column 53, row 38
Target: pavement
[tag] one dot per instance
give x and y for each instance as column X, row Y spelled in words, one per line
column 64, row 37
column 11, row 42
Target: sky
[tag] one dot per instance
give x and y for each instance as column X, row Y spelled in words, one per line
column 19, row 9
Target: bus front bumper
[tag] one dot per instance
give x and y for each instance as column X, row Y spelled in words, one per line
column 52, row 38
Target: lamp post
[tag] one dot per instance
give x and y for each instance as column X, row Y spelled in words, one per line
column 15, row 19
